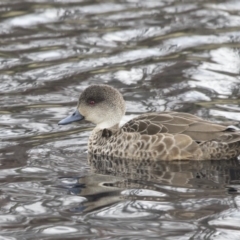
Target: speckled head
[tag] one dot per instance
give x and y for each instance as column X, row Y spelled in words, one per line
column 100, row 104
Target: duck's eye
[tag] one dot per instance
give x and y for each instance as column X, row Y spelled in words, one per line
column 91, row 102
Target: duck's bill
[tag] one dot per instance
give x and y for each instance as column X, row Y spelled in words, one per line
column 75, row 117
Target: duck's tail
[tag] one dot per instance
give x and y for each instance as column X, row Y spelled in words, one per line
column 215, row 150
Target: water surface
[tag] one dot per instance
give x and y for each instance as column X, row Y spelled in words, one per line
column 162, row 55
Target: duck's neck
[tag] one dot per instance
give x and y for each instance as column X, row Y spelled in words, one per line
column 106, row 125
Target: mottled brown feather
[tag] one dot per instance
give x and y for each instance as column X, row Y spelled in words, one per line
column 171, row 135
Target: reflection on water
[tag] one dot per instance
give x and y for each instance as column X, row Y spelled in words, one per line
column 151, row 180
column 162, row 55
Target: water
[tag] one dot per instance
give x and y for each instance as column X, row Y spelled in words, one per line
column 162, row 55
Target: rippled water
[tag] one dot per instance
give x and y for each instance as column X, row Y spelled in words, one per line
column 176, row 54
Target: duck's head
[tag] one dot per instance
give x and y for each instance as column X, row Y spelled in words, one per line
column 100, row 104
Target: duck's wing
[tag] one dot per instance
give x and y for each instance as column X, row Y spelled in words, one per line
column 179, row 123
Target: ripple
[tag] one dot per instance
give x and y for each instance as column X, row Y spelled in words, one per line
column 32, row 209
column 34, row 170
column 11, row 219
column 162, row 55
column 59, row 230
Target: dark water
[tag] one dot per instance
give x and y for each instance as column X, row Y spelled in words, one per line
column 174, row 54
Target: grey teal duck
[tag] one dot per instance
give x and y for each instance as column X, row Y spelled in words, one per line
column 151, row 136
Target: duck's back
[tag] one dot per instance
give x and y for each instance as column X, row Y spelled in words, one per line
column 168, row 136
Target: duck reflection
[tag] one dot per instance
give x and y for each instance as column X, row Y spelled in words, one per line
column 114, row 180
column 174, row 173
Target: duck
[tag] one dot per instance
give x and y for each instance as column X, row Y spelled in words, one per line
column 150, row 136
